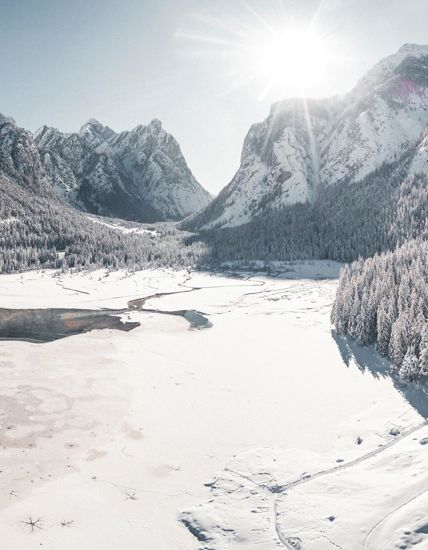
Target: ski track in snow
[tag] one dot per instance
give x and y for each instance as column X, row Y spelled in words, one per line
column 282, row 538
column 388, row 516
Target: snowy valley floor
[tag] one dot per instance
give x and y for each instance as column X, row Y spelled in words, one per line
column 261, row 432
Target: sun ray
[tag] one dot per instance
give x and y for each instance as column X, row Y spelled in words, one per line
column 202, row 38
column 312, row 146
column 259, row 18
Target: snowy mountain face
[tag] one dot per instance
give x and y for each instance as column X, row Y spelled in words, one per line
column 140, row 174
column 305, row 145
column 19, row 157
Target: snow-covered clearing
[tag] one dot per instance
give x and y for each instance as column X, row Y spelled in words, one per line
column 123, row 227
column 8, row 221
column 262, row 432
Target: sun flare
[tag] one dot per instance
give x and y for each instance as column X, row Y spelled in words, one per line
column 279, row 58
column 292, row 56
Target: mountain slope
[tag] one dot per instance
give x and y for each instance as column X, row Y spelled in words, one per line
column 39, row 231
column 19, row 157
column 346, row 221
column 139, row 175
column 305, row 146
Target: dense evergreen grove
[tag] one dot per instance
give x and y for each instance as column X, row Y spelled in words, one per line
column 346, row 222
column 36, row 231
column 384, row 301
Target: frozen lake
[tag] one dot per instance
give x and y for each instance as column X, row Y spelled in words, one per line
column 170, row 438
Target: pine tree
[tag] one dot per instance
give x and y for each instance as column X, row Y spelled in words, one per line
column 384, row 325
column 423, row 357
column 410, row 367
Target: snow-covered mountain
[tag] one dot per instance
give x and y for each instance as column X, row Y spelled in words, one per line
column 305, row 145
column 19, row 157
column 139, row 174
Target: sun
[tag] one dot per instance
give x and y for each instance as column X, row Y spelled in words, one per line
column 275, row 58
column 292, row 57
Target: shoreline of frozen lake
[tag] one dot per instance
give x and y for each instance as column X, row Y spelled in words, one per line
column 110, row 437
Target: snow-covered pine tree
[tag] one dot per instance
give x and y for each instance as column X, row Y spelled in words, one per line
column 409, row 369
column 385, row 320
column 423, row 356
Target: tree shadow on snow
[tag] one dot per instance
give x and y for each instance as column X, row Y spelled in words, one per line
column 367, row 360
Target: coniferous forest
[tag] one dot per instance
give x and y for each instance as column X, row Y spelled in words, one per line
column 346, row 222
column 37, row 232
column 384, row 301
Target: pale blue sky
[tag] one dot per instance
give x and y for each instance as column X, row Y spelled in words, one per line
column 126, row 62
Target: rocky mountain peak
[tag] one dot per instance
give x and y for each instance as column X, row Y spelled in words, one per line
column 138, row 174
column 304, row 146
column 19, row 157
column 93, row 130
column 155, row 125
column 6, row 120
column 416, row 50
column 92, row 125
column 391, row 66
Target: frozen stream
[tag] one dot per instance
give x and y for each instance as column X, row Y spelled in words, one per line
column 49, row 324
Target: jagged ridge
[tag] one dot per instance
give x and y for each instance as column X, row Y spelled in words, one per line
column 305, row 146
column 137, row 175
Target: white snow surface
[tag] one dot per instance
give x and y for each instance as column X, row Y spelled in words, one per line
column 123, row 227
column 119, row 440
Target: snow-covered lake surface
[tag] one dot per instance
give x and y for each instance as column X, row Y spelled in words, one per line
column 261, row 432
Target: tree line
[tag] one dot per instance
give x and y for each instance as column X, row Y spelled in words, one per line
column 347, row 221
column 384, row 301
column 38, row 231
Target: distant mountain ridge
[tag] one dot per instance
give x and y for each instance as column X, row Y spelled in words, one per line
column 305, row 146
column 137, row 175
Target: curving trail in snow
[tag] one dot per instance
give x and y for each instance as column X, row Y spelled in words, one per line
column 374, row 529
column 283, row 539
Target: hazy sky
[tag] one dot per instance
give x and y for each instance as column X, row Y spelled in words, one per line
column 190, row 63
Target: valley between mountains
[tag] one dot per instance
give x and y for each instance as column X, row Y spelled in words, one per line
column 241, row 372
